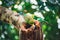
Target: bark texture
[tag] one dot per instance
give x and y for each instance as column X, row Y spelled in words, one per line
column 35, row 34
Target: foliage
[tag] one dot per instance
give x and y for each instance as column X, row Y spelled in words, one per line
column 50, row 10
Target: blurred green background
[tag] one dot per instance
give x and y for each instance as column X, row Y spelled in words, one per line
column 45, row 11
